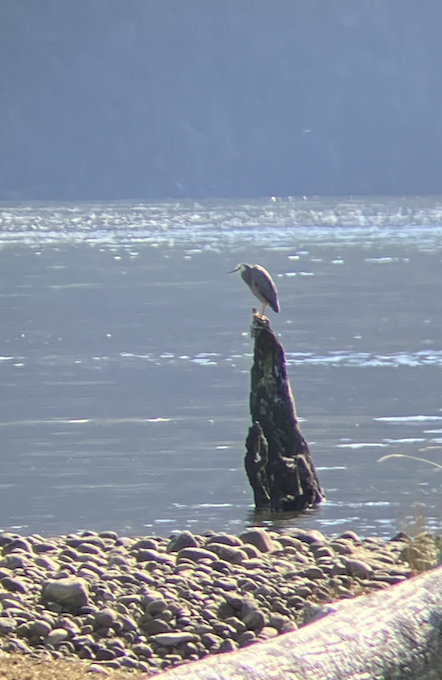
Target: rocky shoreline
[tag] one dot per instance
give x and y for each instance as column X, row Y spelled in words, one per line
column 151, row 603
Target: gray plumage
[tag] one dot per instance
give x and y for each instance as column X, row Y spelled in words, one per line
column 260, row 283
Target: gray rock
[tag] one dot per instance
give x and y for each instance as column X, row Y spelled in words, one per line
column 108, row 534
column 154, row 626
column 248, row 604
column 259, row 538
column 342, row 547
column 253, row 563
column 145, row 543
column 228, row 553
column 203, row 628
column 150, row 555
column 211, row 641
column 289, row 627
column 142, row 650
column 89, row 548
column 278, row 621
column 156, row 606
column 15, row 561
column 127, row 623
column 222, row 566
column 279, row 606
column 6, row 538
column 149, row 596
column 113, row 664
column 350, row 535
column 56, row 636
column 48, row 563
column 174, row 638
column 303, row 590
column 17, row 645
column 255, row 620
column 105, row 618
column 40, row 627
column 246, row 638
column 251, row 550
column 105, row 654
column 144, row 667
column 183, row 540
column 322, row 551
column 144, row 577
column 227, row 646
column 128, row 662
column 71, row 593
column 357, row 568
column 312, row 536
column 338, row 569
column 195, row 554
column 13, row 584
column 85, row 543
column 208, row 614
column 290, row 541
column 314, row 573
column 227, row 539
column 98, row 668
column 54, row 607
column 7, row 625
column 43, row 547
column 267, row 633
column 18, row 543
column 225, row 584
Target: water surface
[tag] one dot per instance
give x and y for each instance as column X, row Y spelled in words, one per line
column 125, row 355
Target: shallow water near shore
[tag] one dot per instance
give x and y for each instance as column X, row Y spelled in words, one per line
column 125, row 357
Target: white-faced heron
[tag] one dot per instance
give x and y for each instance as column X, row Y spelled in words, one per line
column 260, row 283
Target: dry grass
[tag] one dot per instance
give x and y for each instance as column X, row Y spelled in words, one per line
column 18, row 667
column 424, row 549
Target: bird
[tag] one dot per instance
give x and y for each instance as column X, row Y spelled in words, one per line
column 260, row 283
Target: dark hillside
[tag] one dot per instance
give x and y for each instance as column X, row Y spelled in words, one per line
column 108, row 99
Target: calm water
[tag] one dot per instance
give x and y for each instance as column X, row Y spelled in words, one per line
column 125, row 357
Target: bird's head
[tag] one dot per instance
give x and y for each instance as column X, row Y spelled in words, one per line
column 242, row 267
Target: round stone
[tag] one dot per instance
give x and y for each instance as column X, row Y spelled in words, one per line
column 259, row 538
column 105, row 618
column 56, row 636
column 40, row 627
column 185, row 539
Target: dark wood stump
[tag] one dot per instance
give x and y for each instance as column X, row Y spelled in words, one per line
column 278, row 462
column 394, row 634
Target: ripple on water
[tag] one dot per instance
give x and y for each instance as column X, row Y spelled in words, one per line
column 208, row 224
column 408, row 419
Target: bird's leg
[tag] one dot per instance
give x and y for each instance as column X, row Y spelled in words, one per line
column 263, row 309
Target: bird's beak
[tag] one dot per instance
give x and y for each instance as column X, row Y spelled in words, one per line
column 234, row 270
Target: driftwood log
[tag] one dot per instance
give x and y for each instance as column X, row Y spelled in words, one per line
column 394, row 634
column 278, row 462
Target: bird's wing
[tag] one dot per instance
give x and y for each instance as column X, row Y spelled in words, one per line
column 267, row 287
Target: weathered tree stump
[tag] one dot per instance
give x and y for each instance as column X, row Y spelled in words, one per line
column 393, row 634
column 278, row 462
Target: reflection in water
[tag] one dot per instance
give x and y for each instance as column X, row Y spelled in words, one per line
column 125, row 355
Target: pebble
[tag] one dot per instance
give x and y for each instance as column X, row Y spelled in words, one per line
column 183, row 540
column 228, row 539
column 259, row 538
column 67, row 592
column 358, row 568
column 56, row 636
column 105, row 618
column 148, row 603
column 7, row 625
column 228, row 553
